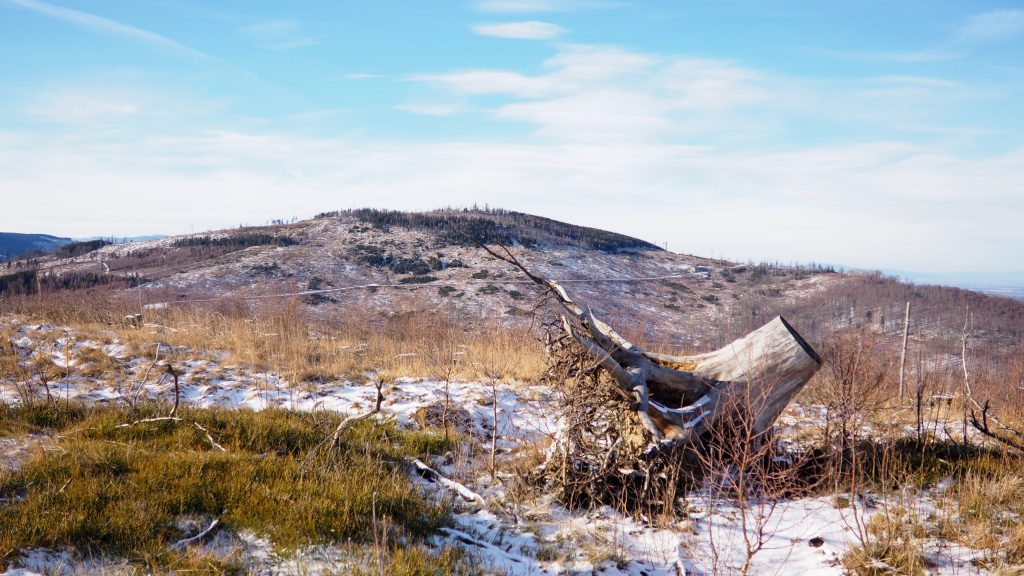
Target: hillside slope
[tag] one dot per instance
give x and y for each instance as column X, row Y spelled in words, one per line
column 13, row 244
column 388, row 263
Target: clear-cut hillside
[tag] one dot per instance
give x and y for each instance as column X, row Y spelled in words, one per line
column 430, row 260
column 389, row 263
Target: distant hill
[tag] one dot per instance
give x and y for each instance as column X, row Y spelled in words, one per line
column 385, row 264
column 122, row 239
column 13, row 245
column 496, row 226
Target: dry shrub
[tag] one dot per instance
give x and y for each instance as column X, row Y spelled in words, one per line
column 854, row 383
column 98, row 305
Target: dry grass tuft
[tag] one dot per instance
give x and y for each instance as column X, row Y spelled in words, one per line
column 282, row 336
column 895, row 546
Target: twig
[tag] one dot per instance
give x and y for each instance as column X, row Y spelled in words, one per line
column 680, row 567
column 967, row 396
column 142, row 383
column 983, row 427
column 333, row 439
column 149, row 420
column 177, row 391
column 185, row 542
column 208, row 437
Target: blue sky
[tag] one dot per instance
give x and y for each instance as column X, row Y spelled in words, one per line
column 866, row 133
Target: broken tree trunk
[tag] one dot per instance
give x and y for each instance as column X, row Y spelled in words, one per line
column 678, row 397
column 762, row 371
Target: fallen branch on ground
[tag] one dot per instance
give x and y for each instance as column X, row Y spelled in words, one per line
column 432, row 475
column 495, row 551
column 185, row 542
column 208, row 437
column 150, row 420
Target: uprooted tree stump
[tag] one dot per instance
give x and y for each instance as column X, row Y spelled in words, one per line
column 630, row 413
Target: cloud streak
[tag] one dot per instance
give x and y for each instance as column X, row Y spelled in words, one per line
column 908, row 57
column 994, row 26
column 904, row 204
column 107, row 26
column 593, row 93
column 529, row 30
column 277, row 35
column 528, row 6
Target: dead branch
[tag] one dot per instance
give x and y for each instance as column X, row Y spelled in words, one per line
column 983, row 427
column 177, row 391
column 150, row 420
column 141, row 384
column 213, row 443
column 334, row 438
column 432, row 475
column 185, row 542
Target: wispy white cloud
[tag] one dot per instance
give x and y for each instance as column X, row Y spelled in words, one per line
column 907, row 57
column 985, row 27
column 107, row 26
column 527, row 6
column 615, row 138
column 594, row 116
column 85, row 106
column 599, row 92
column 880, row 193
column 994, row 26
column 121, row 100
column 529, row 30
column 427, row 109
column 278, row 35
column 479, row 82
column 593, row 95
column 909, row 80
column 589, row 63
column 362, row 76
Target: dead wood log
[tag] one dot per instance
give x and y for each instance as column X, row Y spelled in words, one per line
column 678, row 397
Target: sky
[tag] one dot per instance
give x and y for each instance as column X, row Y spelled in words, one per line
column 865, row 133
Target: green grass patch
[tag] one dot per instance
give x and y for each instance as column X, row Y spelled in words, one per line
column 110, row 491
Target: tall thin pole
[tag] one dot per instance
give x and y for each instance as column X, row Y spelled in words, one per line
column 903, row 353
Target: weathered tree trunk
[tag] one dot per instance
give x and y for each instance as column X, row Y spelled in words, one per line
column 763, row 371
column 678, row 397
